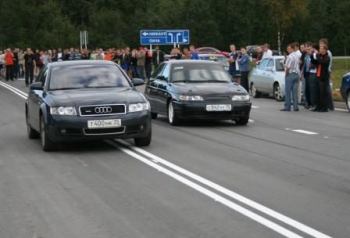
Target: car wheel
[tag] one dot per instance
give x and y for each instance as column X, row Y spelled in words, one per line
column 348, row 101
column 242, row 121
column 172, row 117
column 144, row 141
column 254, row 92
column 46, row 143
column 277, row 92
column 154, row 115
column 32, row 134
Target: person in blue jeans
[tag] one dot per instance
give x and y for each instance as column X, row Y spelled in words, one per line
column 292, row 77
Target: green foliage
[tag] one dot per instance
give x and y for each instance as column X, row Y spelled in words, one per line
column 56, row 23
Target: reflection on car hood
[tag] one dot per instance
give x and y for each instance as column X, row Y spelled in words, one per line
column 208, row 88
column 99, row 96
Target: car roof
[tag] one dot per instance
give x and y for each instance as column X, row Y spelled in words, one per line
column 188, row 61
column 81, row 62
column 211, row 54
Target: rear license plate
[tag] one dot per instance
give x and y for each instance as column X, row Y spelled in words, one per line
column 114, row 123
column 219, row 108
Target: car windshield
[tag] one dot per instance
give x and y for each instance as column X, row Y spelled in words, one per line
column 199, row 72
column 86, row 76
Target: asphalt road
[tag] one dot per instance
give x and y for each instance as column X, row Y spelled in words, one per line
column 286, row 174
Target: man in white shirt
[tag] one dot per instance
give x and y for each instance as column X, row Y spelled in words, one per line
column 267, row 52
column 292, row 69
column 2, row 62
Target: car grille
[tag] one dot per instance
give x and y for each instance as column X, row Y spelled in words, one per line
column 102, row 110
column 105, row 131
column 216, row 98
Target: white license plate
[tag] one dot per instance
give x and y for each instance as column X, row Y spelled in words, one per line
column 219, row 108
column 114, row 123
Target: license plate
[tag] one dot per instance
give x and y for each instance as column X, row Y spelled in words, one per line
column 219, row 108
column 114, row 123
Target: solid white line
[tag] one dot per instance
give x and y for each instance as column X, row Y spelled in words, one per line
column 251, row 121
column 13, row 90
column 287, row 220
column 255, row 107
column 305, row 132
column 263, row 221
column 247, row 201
column 8, row 86
column 340, row 110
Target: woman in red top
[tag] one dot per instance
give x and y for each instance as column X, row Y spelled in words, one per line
column 9, row 64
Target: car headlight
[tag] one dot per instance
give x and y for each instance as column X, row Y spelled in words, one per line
column 190, row 98
column 138, row 107
column 63, row 111
column 241, row 98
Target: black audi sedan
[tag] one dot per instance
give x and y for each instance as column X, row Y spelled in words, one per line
column 86, row 100
column 196, row 89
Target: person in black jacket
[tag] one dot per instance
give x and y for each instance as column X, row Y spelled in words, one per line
column 29, row 60
column 321, row 60
column 158, row 57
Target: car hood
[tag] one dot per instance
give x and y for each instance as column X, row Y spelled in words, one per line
column 78, row 97
column 203, row 89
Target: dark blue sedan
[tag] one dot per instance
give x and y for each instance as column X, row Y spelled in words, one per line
column 345, row 89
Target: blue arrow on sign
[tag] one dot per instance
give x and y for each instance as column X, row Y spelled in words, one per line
column 165, row 37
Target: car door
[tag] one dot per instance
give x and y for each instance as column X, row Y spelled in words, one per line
column 152, row 88
column 268, row 76
column 35, row 99
column 163, row 89
column 258, row 75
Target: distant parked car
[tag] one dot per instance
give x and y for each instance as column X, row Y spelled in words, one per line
column 268, row 78
column 345, row 89
column 211, row 50
column 216, row 58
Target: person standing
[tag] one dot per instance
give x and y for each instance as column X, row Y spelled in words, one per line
column 9, row 63
column 292, row 72
column 267, row 53
column 16, row 69
column 148, row 63
column 324, row 42
column 233, row 68
column 194, row 53
column 29, row 60
column 158, row 57
column 243, row 62
column 305, row 68
column 322, row 61
column 2, row 63
column 125, row 60
column 141, row 60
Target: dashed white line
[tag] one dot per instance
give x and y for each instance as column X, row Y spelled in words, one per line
column 305, row 132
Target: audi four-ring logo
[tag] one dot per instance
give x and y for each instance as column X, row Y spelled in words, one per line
column 103, row 110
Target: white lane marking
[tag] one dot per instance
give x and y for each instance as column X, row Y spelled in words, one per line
column 305, row 132
column 18, row 92
column 340, row 110
column 234, row 206
column 255, row 107
column 251, row 121
column 287, row 220
column 306, row 229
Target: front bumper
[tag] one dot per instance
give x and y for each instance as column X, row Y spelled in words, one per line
column 197, row 110
column 74, row 128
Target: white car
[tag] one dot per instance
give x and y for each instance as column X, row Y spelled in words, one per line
column 268, row 78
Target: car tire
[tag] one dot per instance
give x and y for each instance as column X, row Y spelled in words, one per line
column 46, row 143
column 154, row 115
column 242, row 121
column 277, row 93
column 254, row 92
column 348, row 100
column 172, row 117
column 144, row 141
column 32, row 134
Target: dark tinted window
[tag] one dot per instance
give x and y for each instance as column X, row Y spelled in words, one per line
column 199, row 72
column 87, row 76
column 279, row 64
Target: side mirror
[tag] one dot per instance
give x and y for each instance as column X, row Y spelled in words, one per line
column 138, row 81
column 37, row 86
